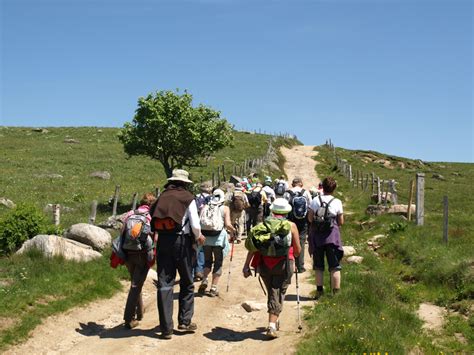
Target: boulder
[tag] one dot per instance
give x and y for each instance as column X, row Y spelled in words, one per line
column 88, row 234
column 252, row 306
column 104, row 175
column 40, row 130
column 53, row 245
column 382, row 197
column 401, row 209
column 71, row 141
column 354, row 259
column 49, row 176
column 348, row 251
column 115, row 223
column 375, row 210
column 438, row 177
column 7, row 203
column 377, row 237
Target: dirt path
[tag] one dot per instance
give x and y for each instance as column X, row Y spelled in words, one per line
column 223, row 325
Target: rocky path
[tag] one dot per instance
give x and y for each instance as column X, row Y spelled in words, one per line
column 223, row 325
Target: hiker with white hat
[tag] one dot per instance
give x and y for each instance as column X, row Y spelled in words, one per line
column 215, row 224
column 175, row 221
column 272, row 247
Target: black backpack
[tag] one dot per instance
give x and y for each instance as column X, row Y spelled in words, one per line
column 299, row 205
column 255, row 198
column 280, row 188
column 323, row 223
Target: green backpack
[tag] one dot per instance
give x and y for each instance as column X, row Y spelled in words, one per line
column 272, row 237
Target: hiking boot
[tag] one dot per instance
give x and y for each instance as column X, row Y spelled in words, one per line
column 167, row 335
column 132, row 324
column 272, row 333
column 318, row 295
column 202, row 288
column 213, row 292
column 191, row 327
column 198, row 276
column 301, row 270
column 277, row 324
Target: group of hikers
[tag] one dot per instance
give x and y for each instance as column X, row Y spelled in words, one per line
column 191, row 234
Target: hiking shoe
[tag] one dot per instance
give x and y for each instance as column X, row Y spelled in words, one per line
column 191, row 327
column 301, row 270
column 318, row 295
column 278, row 324
column 272, row 333
column 198, row 276
column 132, row 324
column 202, row 288
column 167, row 335
column 213, row 292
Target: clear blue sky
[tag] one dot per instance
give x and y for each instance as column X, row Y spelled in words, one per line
column 389, row 75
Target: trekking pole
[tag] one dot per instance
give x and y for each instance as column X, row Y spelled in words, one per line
column 300, row 327
column 230, row 263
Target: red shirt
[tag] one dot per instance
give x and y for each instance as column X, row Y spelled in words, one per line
column 270, row 261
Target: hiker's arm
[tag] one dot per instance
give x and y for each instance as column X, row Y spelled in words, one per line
column 194, row 223
column 246, row 270
column 295, row 243
column 340, row 219
column 310, row 215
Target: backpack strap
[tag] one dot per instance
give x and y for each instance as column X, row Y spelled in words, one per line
column 327, row 207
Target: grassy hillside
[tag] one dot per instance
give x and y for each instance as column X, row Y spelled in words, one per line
column 29, row 158
column 376, row 309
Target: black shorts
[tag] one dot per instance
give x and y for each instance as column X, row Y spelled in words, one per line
column 333, row 256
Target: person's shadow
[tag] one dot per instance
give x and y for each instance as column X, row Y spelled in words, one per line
column 293, row 298
column 117, row 332
column 225, row 334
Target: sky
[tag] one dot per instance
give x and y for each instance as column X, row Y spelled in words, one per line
column 395, row 76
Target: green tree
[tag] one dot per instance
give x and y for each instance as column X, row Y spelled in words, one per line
column 166, row 127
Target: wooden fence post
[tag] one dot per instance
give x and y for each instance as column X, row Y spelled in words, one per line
column 420, row 199
column 379, row 199
column 350, row 172
column 410, row 198
column 373, row 183
column 56, row 214
column 116, row 198
column 93, row 212
column 134, row 201
column 213, row 179
column 393, row 191
column 223, row 173
column 366, row 182
column 445, row 224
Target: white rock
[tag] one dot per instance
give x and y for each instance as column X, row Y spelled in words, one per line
column 252, row 306
column 7, row 203
column 104, row 175
column 96, row 237
column 355, row 259
column 433, row 316
column 52, row 245
column 348, row 250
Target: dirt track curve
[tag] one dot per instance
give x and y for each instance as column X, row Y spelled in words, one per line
column 223, row 325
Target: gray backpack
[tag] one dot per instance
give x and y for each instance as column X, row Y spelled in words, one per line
column 136, row 232
column 324, row 223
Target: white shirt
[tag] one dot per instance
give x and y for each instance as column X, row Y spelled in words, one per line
column 270, row 193
column 335, row 208
column 194, row 223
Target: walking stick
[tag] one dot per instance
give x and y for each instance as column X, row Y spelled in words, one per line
column 230, row 263
column 300, row 327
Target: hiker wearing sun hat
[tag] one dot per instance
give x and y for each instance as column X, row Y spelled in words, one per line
column 175, row 221
column 272, row 246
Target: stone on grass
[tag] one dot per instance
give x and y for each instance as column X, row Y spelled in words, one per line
column 49, row 176
column 432, row 316
column 53, row 245
column 252, row 306
column 71, row 141
column 438, row 177
column 104, row 175
column 401, row 209
column 354, row 259
column 7, row 203
column 96, row 237
column 348, row 251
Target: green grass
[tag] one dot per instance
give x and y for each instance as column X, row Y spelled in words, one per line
column 34, row 287
column 379, row 298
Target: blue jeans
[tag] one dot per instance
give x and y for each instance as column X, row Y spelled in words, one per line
column 199, row 261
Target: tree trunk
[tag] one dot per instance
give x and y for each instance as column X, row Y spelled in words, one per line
column 168, row 168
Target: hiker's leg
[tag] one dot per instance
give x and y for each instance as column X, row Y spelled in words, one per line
column 207, row 249
column 186, row 284
column 166, row 270
column 259, row 215
column 128, row 313
column 333, row 256
column 218, row 260
column 318, row 266
column 303, row 234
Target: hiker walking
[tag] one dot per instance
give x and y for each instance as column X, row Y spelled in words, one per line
column 325, row 216
column 272, row 246
column 257, row 199
column 176, row 222
column 299, row 200
column 137, row 246
column 237, row 206
column 202, row 198
column 281, row 185
column 215, row 222
column 267, row 187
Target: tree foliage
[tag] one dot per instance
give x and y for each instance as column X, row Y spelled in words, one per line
column 166, row 127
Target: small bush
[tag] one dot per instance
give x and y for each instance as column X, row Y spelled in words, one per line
column 19, row 225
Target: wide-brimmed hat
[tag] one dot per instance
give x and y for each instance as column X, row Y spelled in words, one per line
column 180, row 175
column 218, row 196
column 280, row 206
column 205, row 187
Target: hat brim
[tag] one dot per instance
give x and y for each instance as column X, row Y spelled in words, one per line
column 280, row 210
column 179, row 179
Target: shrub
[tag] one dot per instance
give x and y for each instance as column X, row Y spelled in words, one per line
column 20, row 224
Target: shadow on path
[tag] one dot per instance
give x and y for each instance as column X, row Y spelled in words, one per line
column 225, row 334
column 117, row 332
